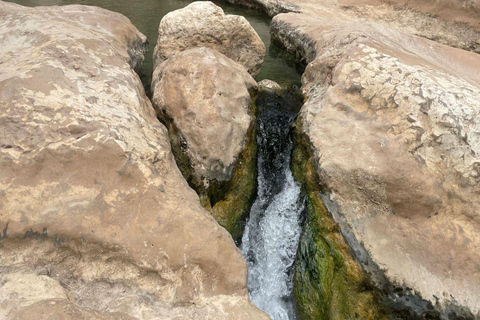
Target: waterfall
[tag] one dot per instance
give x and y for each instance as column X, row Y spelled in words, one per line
column 272, row 233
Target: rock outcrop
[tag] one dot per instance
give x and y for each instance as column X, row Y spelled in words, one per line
column 206, row 100
column 203, row 24
column 97, row 220
column 390, row 148
column 452, row 22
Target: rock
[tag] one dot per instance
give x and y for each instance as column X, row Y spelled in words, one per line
column 390, row 131
column 94, row 211
column 452, row 22
column 203, row 24
column 270, row 7
column 206, row 100
column 444, row 21
column 269, row 85
column 63, row 310
column 207, row 96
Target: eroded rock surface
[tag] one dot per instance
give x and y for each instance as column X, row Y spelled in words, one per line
column 393, row 125
column 452, row 22
column 203, row 24
column 95, row 215
column 206, row 99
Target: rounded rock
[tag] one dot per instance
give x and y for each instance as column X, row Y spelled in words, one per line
column 203, row 24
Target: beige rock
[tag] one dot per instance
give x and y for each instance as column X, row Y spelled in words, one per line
column 452, row 22
column 394, row 125
column 206, row 101
column 94, row 211
column 269, row 85
column 203, row 24
column 63, row 310
column 272, row 7
column 207, row 96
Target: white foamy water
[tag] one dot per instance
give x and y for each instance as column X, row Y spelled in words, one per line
column 269, row 244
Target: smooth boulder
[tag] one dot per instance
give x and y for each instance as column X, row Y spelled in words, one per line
column 206, row 99
column 203, row 24
column 96, row 219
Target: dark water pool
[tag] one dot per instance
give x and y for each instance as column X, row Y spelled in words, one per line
column 146, row 16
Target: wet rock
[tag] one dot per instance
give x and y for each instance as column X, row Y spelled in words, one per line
column 86, row 170
column 203, row 24
column 389, row 129
column 269, row 85
column 271, row 7
column 207, row 101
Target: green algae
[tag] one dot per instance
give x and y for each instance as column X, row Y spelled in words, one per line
column 328, row 282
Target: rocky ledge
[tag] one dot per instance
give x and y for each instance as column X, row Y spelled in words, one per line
column 97, row 220
column 452, row 22
column 389, row 153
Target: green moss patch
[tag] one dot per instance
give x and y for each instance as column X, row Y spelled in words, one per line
column 328, row 282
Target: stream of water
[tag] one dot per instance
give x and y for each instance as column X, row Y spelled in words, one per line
column 272, row 232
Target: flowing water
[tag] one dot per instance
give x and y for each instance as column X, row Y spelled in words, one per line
column 272, row 232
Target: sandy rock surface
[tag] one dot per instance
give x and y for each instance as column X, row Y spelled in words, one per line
column 203, row 24
column 393, row 121
column 95, row 216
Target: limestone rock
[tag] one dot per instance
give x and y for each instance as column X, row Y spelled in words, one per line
column 270, row 7
column 269, row 85
column 206, row 98
column 452, row 22
column 63, row 310
column 203, row 24
column 393, row 124
column 94, row 211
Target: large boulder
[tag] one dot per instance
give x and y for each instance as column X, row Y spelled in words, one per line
column 97, row 220
column 203, row 24
column 206, row 99
column 389, row 146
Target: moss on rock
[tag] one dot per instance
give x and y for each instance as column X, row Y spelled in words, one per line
column 328, row 282
column 229, row 202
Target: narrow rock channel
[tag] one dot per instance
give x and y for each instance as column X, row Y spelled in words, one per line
column 273, row 230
